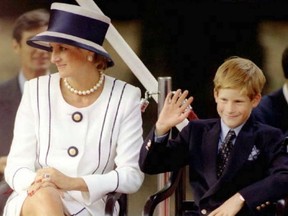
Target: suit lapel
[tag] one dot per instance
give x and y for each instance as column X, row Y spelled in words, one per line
column 240, row 153
column 209, row 152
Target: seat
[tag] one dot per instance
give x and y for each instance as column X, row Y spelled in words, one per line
column 112, row 198
column 177, row 185
column 4, row 194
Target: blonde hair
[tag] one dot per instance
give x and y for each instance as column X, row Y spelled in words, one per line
column 240, row 73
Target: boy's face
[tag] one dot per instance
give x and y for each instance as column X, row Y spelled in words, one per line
column 234, row 108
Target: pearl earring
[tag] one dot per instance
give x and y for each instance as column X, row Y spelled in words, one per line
column 90, row 58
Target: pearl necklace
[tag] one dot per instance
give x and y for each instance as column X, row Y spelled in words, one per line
column 85, row 92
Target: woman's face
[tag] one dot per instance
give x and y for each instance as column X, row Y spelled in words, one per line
column 69, row 60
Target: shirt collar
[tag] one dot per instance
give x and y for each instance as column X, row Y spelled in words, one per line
column 225, row 129
column 21, row 81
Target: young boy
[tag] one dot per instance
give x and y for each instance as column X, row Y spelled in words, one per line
column 256, row 173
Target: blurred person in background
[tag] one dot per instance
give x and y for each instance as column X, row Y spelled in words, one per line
column 273, row 107
column 33, row 63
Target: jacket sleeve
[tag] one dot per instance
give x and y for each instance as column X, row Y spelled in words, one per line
column 166, row 155
column 127, row 176
column 273, row 187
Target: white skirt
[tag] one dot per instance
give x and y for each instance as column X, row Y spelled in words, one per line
column 72, row 207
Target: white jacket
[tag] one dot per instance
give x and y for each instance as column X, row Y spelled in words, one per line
column 108, row 140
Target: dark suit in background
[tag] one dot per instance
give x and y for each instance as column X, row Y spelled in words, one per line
column 10, row 96
column 273, row 110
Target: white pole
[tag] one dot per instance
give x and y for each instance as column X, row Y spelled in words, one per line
column 164, row 87
column 129, row 57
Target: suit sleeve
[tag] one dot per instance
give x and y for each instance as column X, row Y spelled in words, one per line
column 165, row 156
column 274, row 186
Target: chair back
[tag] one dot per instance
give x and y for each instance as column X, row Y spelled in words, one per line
column 114, row 197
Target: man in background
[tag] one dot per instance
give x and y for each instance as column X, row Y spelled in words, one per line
column 33, row 63
column 273, row 108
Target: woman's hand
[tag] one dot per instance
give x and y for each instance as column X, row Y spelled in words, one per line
column 51, row 177
column 42, row 179
column 230, row 207
column 175, row 110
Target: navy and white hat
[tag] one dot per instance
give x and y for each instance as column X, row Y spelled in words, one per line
column 76, row 26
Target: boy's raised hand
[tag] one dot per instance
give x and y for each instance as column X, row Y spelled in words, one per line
column 175, row 109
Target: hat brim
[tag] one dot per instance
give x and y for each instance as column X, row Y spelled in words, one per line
column 42, row 40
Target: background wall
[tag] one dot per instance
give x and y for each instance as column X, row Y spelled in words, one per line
column 185, row 39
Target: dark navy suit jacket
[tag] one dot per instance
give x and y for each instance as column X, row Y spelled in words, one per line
column 10, row 96
column 273, row 110
column 257, row 168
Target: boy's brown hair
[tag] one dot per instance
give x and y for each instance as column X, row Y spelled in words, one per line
column 240, row 73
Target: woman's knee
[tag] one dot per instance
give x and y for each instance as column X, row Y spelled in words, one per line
column 44, row 200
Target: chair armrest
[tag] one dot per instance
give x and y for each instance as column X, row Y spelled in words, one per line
column 162, row 194
column 282, row 207
column 5, row 191
column 112, row 198
column 4, row 187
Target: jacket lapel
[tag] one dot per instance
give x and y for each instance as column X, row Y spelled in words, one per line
column 240, row 153
column 209, row 152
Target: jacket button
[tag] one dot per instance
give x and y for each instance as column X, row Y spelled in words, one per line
column 258, row 208
column 77, row 116
column 204, row 211
column 148, row 145
column 72, row 151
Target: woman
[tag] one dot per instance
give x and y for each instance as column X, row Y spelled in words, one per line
column 78, row 132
